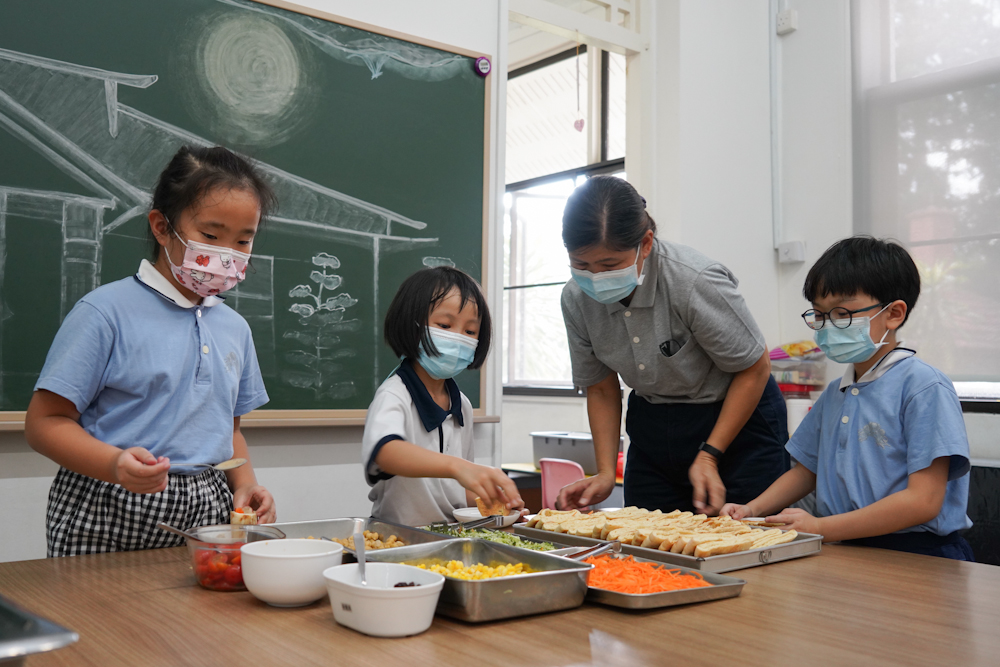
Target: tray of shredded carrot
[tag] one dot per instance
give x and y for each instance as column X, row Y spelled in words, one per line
column 637, row 583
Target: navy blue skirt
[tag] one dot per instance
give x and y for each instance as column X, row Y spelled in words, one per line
column 664, row 442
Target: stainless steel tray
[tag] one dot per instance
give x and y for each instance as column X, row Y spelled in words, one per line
column 804, row 544
column 23, row 634
column 344, row 528
column 556, row 583
column 722, row 587
column 565, row 551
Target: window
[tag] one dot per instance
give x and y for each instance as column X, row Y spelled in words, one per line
column 927, row 167
column 549, row 154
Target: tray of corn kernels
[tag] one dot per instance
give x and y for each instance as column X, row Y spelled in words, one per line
column 696, row 541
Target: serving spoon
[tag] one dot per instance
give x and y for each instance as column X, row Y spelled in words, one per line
column 225, row 465
column 177, row 531
column 359, row 551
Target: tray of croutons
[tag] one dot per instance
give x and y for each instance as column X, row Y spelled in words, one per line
column 378, row 534
column 695, row 541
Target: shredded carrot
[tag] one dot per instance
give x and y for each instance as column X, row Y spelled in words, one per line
column 625, row 575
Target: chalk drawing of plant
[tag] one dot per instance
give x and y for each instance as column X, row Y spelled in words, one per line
column 321, row 323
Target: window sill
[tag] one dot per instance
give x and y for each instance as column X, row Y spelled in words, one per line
column 543, row 390
column 550, row 390
column 987, row 407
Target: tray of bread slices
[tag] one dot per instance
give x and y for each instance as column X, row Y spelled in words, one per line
column 695, row 541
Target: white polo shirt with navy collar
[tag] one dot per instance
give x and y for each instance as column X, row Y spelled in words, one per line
column 146, row 367
column 404, row 410
column 866, row 435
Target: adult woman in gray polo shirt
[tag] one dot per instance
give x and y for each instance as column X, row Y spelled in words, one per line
column 706, row 420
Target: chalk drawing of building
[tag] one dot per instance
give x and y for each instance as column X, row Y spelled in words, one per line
column 70, row 115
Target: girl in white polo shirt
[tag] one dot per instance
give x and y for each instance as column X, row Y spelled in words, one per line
column 155, row 370
column 418, row 444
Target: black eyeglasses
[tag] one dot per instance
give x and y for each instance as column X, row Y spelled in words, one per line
column 838, row 317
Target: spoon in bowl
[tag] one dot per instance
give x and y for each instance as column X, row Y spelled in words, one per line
column 225, row 465
column 177, row 531
column 359, row 551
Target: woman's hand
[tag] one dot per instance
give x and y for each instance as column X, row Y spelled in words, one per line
column 709, row 491
column 797, row 519
column 490, row 484
column 585, row 492
column 139, row 471
column 260, row 501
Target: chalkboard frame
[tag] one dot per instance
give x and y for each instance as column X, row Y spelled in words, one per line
column 264, row 418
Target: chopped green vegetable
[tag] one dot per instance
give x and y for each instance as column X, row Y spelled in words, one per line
column 491, row 535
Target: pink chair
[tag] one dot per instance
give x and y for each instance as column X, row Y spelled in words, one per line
column 557, row 473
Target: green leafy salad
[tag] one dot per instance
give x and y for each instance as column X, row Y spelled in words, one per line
column 491, row 535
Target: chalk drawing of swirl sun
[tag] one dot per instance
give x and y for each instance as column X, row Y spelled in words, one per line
column 252, row 80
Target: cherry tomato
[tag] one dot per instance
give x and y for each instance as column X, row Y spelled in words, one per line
column 220, row 568
column 234, row 575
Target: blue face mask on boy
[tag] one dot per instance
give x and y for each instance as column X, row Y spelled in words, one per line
column 456, row 353
column 852, row 345
column 609, row 286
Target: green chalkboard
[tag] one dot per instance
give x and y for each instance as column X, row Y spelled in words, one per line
column 374, row 143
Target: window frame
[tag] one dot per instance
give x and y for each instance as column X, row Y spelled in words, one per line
column 603, row 166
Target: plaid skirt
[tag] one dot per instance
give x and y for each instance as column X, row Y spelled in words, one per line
column 88, row 516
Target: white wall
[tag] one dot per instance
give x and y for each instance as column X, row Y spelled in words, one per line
column 312, row 472
column 704, row 165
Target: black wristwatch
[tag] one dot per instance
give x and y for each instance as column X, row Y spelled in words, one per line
column 709, row 449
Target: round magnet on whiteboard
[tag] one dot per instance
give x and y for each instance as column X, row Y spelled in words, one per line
column 483, row 66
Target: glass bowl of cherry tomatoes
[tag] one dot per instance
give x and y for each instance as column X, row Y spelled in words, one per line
column 215, row 555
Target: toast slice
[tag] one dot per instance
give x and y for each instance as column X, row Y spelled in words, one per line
column 774, row 537
column 727, row 545
column 498, row 507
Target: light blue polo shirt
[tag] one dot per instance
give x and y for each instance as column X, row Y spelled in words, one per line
column 863, row 439
column 145, row 367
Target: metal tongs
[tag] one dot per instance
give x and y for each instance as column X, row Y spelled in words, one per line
column 614, row 546
column 494, row 521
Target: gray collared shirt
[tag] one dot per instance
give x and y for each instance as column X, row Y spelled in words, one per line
column 685, row 333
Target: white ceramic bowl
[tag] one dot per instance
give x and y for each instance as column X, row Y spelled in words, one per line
column 466, row 514
column 288, row 573
column 379, row 609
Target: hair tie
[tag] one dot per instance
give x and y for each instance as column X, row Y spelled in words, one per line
column 643, row 201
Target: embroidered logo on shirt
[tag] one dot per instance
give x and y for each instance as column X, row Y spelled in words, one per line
column 874, row 431
column 232, row 363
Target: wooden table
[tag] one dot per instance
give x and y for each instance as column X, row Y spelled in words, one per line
column 847, row 606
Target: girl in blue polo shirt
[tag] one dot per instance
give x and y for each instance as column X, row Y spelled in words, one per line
column 418, row 445
column 155, row 370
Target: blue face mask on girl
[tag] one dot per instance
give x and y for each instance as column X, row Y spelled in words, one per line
column 456, row 353
column 609, row 286
column 852, row 345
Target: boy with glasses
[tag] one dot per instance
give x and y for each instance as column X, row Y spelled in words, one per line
column 885, row 446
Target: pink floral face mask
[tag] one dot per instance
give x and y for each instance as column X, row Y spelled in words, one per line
column 208, row 270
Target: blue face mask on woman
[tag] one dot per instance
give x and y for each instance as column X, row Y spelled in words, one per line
column 609, row 286
column 456, row 353
column 852, row 345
